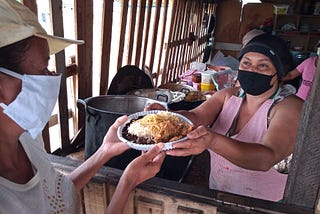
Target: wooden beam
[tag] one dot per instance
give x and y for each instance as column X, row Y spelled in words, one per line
column 174, row 13
column 46, row 138
column 177, row 25
column 123, row 26
column 165, row 13
column 140, row 32
column 146, row 33
column 84, row 20
column 57, row 22
column 184, row 35
column 32, row 5
column 155, row 33
column 107, row 20
column 132, row 30
column 303, row 186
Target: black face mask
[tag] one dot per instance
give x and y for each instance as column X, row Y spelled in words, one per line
column 254, row 83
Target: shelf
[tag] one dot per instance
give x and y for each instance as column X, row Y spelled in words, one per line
column 298, row 15
column 297, row 33
column 306, row 33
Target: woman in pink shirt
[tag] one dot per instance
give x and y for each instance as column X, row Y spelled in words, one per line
column 251, row 129
column 307, row 69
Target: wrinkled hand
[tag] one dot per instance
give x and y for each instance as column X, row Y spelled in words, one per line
column 198, row 141
column 145, row 166
column 111, row 144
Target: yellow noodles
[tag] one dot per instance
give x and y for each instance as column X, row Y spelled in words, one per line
column 160, row 127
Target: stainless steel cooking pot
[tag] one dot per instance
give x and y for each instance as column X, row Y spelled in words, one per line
column 102, row 111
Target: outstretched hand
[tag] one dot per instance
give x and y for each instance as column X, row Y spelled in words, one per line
column 198, row 141
column 145, row 166
column 140, row 169
column 111, row 144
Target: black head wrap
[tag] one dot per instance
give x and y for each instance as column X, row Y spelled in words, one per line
column 273, row 47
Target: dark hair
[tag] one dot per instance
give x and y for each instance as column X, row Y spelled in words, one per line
column 12, row 55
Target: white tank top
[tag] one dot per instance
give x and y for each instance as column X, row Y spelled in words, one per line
column 48, row 191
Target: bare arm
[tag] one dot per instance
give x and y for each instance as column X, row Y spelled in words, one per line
column 291, row 75
column 206, row 113
column 110, row 147
column 277, row 143
column 140, row 169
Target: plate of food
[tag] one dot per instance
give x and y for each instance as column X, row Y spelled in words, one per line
column 143, row 130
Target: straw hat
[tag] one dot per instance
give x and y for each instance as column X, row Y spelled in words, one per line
column 17, row 22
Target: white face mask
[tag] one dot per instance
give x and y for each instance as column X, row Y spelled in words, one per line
column 33, row 106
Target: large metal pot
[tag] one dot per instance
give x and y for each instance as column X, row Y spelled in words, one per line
column 101, row 113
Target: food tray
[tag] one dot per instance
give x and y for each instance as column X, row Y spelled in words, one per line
column 147, row 147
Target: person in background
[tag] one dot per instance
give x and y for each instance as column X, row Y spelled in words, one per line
column 307, row 70
column 250, row 35
column 28, row 92
column 248, row 130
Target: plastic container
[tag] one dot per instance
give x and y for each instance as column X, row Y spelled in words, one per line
column 207, row 87
column 280, row 9
column 196, row 80
column 206, row 76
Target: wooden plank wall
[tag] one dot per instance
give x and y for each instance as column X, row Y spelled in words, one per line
column 141, row 38
column 143, row 33
column 180, row 50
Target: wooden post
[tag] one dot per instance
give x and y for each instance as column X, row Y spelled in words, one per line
column 132, row 31
column 155, row 33
column 140, row 31
column 57, row 23
column 32, row 5
column 158, row 72
column 146, row 33
column 106, row 45
column 84, row 19
column 124, row 14
column 173, row 21
column 303, row 183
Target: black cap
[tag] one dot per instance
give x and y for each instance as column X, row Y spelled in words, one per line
column 275, row 48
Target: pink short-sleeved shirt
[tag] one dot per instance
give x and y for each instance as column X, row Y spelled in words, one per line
column 307, row 69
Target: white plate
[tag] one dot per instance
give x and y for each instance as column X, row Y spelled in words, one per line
column 147, row 147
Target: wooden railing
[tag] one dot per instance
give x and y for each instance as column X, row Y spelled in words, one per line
column 165, row 196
